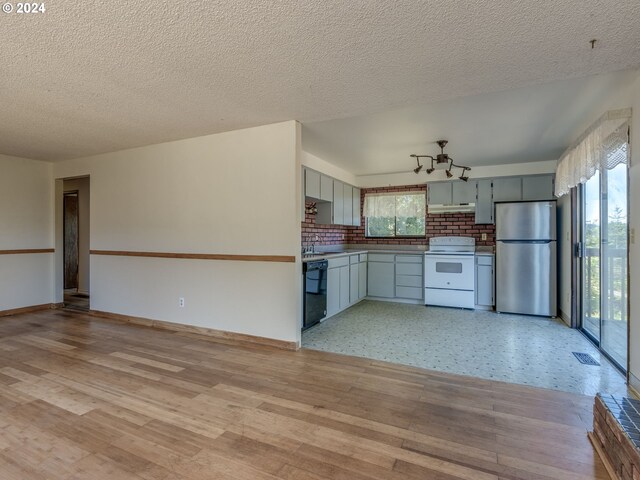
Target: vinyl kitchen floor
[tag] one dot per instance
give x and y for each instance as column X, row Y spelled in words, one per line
column 512, row 348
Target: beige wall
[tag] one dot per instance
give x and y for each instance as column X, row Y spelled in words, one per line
column 231, row 193
column 81, row 185
column 26, row 222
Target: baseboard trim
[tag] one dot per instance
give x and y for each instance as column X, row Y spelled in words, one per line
column 566, row 319
column 29, row 309
column 209, row 332
column 198, row 256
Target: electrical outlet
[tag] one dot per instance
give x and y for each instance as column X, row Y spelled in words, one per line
column 484, row 236
column 181, row 302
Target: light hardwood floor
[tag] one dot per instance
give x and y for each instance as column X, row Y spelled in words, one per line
column 82, row 398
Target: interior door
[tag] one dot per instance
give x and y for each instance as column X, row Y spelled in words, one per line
column 70, row 240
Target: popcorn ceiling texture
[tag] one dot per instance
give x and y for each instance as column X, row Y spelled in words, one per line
column 449, row 224
column 94, row 77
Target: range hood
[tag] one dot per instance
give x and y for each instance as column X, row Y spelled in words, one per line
column 457, row 208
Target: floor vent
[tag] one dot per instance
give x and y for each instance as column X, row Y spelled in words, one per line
column 586, row 359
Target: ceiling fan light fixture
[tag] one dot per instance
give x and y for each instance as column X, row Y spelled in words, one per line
column 449, row 174
column 417, row 169
column 463, row 178
column 430, row 170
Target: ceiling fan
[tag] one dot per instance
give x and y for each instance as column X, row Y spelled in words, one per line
column 440, row 159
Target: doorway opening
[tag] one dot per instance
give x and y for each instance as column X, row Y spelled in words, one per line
column 75, row 243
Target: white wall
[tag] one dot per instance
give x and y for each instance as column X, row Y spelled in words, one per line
column 410, row 178
column 26, row 222
column 81, row 185
column 229, row 193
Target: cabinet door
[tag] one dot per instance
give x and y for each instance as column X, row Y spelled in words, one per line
column 333, row 291
column 312, row 184
column 484, row 202
column 344, row 287
column 507, row 189
column 484, row 285
column 464, row 192
column 348, row 204
column 362, row 280
column 356, row 207
column 354, row 277
column 538, row 187
column 439, row 193
column 338, row 203
column 381, row 279
column 326, row 188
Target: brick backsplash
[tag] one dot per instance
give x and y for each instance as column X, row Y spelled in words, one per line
column 456, row 224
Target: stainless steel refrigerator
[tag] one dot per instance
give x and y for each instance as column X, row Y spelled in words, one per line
column 526, row 266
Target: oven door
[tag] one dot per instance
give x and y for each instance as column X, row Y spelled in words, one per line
column 452, row 272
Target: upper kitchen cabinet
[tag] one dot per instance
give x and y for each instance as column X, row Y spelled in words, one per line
column 355, row 206
column 347, row 202
column 317, row 186
column 338, row 203
column 439, row 193
column 326, row 188
column 484, row 201
column 538, row 187
column 311, row 184
column 507, row 189
column 463, row 192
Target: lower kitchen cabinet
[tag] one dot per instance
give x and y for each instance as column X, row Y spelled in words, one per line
column 354, row 281
column 362, row 279
column 344, row 284
column 409, row 279
column 381, row 279
column 333, row 291
column 344, row 287
column 485, row 281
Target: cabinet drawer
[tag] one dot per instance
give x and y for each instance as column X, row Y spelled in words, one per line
column 409, row 258
column 409, row 269
column 484, row 260
column 409, row 292
column 338, row 262
column 363, row 257
column 382, row 257
column 354, row 259
column 409, row 281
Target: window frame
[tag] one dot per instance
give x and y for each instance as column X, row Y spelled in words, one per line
column 395, row 218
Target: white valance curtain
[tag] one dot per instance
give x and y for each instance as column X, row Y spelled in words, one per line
column 394, row 204
column 602, row 146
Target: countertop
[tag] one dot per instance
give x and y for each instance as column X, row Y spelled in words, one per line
column 481, row 250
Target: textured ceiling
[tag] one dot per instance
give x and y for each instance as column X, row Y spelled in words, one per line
column 526, row 124
column 91, row 77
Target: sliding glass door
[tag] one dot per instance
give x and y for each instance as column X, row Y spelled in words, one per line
column 604, row 262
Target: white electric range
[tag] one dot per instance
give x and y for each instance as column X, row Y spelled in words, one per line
column 449, row 272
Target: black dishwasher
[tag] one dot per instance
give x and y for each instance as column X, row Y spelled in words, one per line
column 314, row 274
